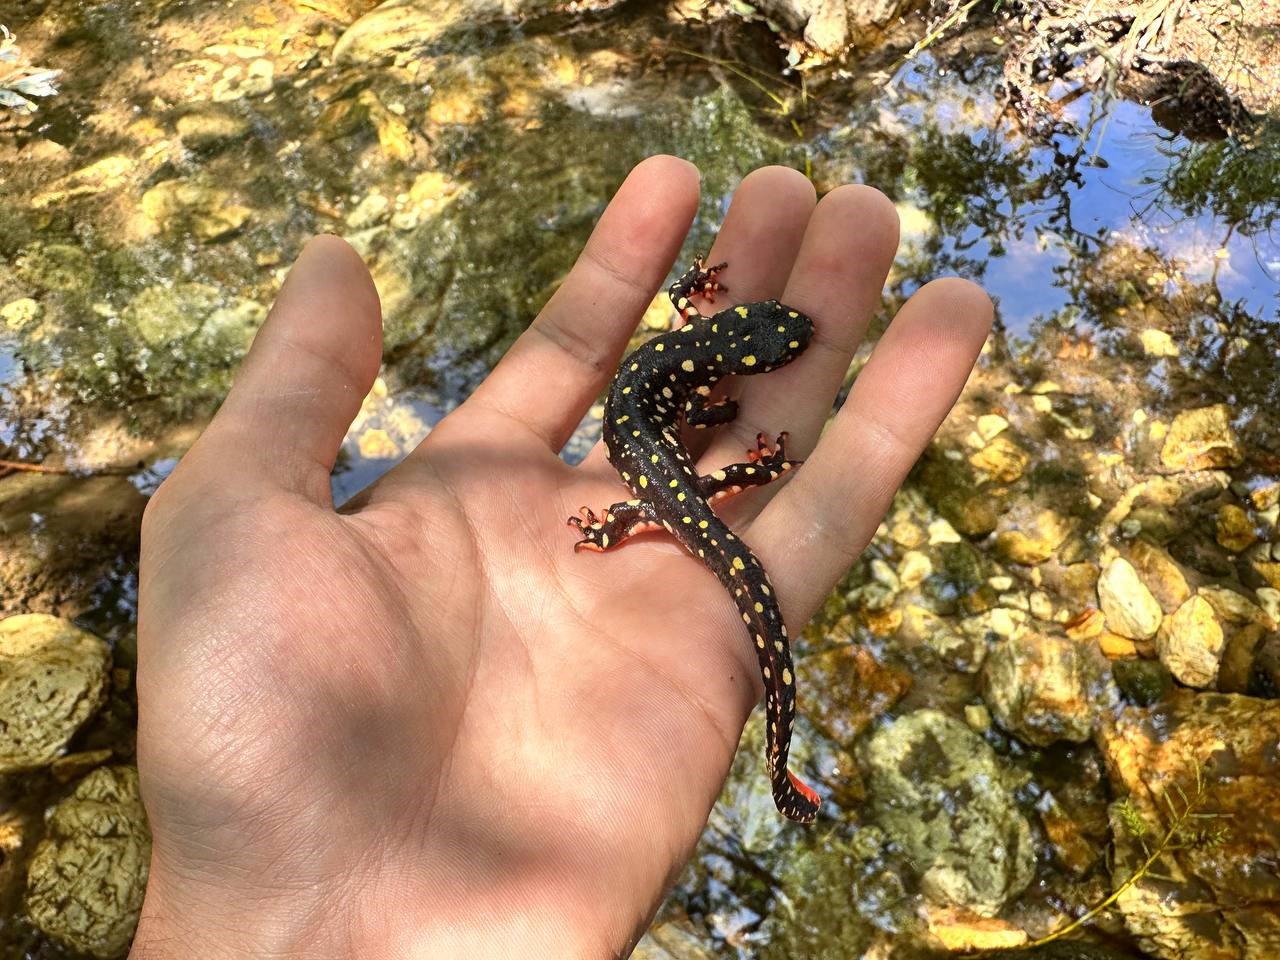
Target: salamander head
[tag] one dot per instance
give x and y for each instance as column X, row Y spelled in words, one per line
column 762, row 336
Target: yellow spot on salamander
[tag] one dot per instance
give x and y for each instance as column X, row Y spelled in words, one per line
column 781, row 329
column 653, row 458
column 745, row 618
column 759, row 608
column 659, row 347
column 701, row 553
column 635, row 366
column 738, row 564
column 793, row 344
column 759, row 641
column 766, row 673
column 786, row 675
column 674, row 482
column 779, row 645
column 715, row 328
column 610, row 517
column 626, row 389
column 644, row 481
column 686, row 519
column 702, row 524
column 718, row 475
column 749, row 360
column 740, row 311
column 764, row 588
column 666, row 391
column 750, row 470
column 635, row 433
column 624, row 418
column 792, row 314
column 687, row 366
column 680, row 496
column 604, row 540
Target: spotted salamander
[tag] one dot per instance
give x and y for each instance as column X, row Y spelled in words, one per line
column 668, row 379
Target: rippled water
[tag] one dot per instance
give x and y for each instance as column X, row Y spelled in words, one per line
column 1067, row 234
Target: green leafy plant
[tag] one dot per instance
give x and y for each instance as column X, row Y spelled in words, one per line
column 1187, row 828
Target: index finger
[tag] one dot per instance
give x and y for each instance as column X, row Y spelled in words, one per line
column 558, row 367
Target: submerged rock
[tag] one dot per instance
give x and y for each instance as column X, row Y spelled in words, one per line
column 88, row 876
column 1128, row 605
column 1191, row 643
column 939, row 791
column 1045, row 687
column 53, row 677
column 1214, row 894
column 1202, row 439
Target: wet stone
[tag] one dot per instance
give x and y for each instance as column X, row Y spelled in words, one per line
column 1191, row 643
column 1142, row 682
column 87, row 877
column 1160, row 574
column 1128, row 605
column 1034, row 542
column 1002, row 459
column 851, row 689
column 1234, row 529
column 1202, row 439
column 53, row 677
column 936, row 789
column 963, row 650
column 1045, row 687
column 1235, row 674
column 211, row 128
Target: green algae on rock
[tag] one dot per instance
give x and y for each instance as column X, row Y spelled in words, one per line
column 53, row 677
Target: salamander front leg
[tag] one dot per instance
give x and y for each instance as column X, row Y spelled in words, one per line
column 698, row 279
column 620, row 521
column 764, row 465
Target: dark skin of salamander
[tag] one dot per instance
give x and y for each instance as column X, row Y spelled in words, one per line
column 669, row 380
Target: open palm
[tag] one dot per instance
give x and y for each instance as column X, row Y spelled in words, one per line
column 423, row 726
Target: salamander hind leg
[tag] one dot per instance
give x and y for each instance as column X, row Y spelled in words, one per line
column 763, row 465
column 620, row 521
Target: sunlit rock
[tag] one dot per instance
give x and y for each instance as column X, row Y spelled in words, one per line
column 87, row 877
column 939, row 791
column 1157, row 343
column 1034, row 541
column 850, row 690
column 1128, row 605
column 1160, row 574
column 21, row 313
column 1191, row 643
column 959, row 930
column 1211, row 895
column 109, row 173
column 209, row 211
column 1002, row 459
column 53, row 677
column 913, row 568
column 1234, row 529
column 1046, row 687
column 1202, row 439
column 244, row 79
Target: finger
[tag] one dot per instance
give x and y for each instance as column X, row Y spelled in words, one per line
column 820, row 522
column 838, row 277
column 558, row 367
column 304, row 378
column 759, row 240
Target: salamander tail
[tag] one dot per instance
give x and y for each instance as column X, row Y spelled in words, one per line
column 795, row 799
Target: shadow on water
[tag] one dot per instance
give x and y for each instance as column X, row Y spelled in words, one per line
column 156, row 210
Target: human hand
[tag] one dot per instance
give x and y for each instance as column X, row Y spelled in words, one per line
column 424, row 726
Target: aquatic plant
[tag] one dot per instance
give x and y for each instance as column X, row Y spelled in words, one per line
column 19, row 80
column 1187, row 827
